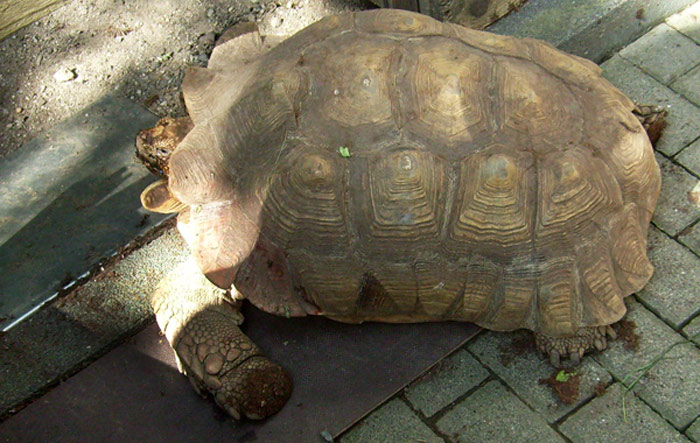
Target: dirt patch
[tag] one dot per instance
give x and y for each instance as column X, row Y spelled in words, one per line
column 521, row 342
column 600, row 388
column 565, row 385
column 85, row 49
column 626, row 332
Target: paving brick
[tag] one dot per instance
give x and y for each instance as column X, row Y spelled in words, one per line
column 654, row 337
column 672, row 292
column 663, row 53
column 677, row 206
column 392, row 422
column 672, row 387
column 688, row 85
column 512, row 356
column 450, row 379
column 492, row 414
column 683, row 119
column 693, row 432
column 692, row 330
column 690, row 237
column 602, row 420
column 690, row 157
column 687, row 22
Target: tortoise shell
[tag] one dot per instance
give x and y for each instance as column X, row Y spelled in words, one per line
column 384, row 166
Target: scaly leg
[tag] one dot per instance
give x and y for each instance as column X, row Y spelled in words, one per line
column 202, row 328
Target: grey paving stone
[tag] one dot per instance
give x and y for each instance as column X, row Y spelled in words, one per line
column 450, row 379
column 688, row 85
column 672, row 387
column 654, row 336
column 73, row 329
column 672, row 292
column 512, row 356
column 589, row 28
column 687, row 22
column 492, row 414
column 663, row 53
column 690, row 237
column 394, row 421
column 69, row 198
column 692, row 330
column 602, row 420
column 677, row 207
column 684, row 117
column 690, row 157
column 693, row 432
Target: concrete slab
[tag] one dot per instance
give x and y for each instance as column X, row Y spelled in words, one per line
column 340, row 372
column 683, row 119
column 677, row 206
column 514, row 358
column 68, row 199
column 692, row 330
column 688, row 85
column 693, row 432
column 654, row 337
column 493, row 414
column 672, row 292
column 672, row 387
column 61, row 338
column 589, row 28
column 447, row 381
column 393, row 421
column 602, row 420
column 690, row 157
column 687, row 22
column 663, row 53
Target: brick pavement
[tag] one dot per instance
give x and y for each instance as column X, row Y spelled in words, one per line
column 490, row 390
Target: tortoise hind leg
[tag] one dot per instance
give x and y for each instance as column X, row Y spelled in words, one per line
column 558, row 348
column 202, row 328
column 653, row 119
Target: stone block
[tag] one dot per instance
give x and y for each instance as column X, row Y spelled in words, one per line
column 687, row 22
column 690, row 157
column 492, row 413
column 602, row 420
column 678, row 205
column 672, row 292
column 688, row 85
column 683, row 118
column 693, row 432
column 514, row 358
column 663, row 53
column 672, row 386
column 692, row 330
column 448, row 380
column 394, row 421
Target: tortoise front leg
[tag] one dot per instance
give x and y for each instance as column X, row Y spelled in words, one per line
column 202, row 328
column 652, row 119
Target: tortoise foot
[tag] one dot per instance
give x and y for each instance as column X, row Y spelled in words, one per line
column 560, row 348
column 217, row 357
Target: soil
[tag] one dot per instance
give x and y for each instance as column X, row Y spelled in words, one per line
column 626, row 332
column 521, row 342
column 565, row 391
column 88, row 48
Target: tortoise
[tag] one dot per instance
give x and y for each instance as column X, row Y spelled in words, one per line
column 384, row 166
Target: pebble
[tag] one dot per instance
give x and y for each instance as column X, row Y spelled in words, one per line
column 275, row 22
column 210, row 12
column 65, row 75
column 19, row 110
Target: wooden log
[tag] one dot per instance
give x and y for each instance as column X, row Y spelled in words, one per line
column 16, row 14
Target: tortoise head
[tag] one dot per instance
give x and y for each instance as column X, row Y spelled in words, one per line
column 154, row 147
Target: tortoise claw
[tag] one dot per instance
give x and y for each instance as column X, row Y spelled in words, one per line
column 555, row 358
